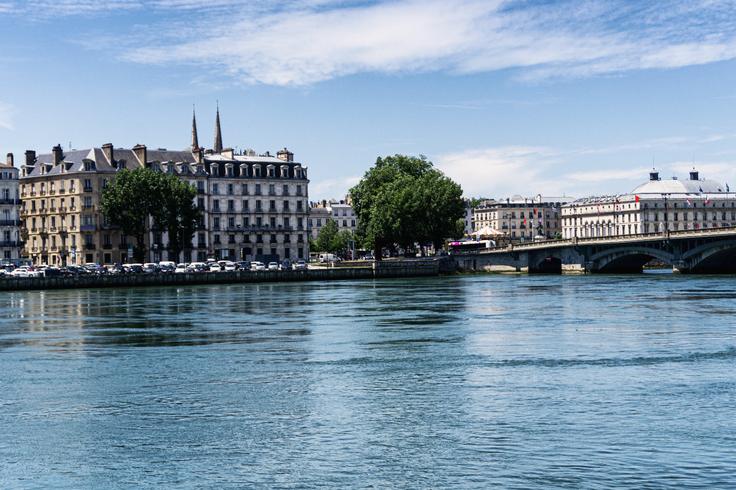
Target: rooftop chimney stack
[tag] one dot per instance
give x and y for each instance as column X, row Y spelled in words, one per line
column 9, row 159
column 30, row 158
column 653, row 175
column 58, row 154
column 694, row 175
column 109, row 152
column 285, row 155
column 141, row 153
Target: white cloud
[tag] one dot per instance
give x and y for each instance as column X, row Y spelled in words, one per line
column 303, row 44
column 332, row 188
column 608, row 175
column 496, row 172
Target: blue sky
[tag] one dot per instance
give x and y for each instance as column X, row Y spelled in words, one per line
column 507, row 97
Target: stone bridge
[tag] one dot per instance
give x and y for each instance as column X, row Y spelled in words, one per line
column 711, row 251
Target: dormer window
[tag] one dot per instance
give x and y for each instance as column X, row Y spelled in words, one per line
column 229, row 170
column 243, row 170
column 284, row 171
column 271, row 171
column 257, row 170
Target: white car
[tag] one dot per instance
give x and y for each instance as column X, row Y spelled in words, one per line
column 300, row 265
column 228, row 266
column 25, row 271
column 181, row 269
column 215, row 267
column 273, row 266
column 257, row 266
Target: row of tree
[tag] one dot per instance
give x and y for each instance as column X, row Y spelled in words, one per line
column 139, row 198
column 402, row 200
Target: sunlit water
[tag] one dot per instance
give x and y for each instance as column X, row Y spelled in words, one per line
column 470, row 381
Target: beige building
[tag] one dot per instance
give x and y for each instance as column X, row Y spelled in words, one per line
column 10, row 239
column 255, row 207
column 518, row 218
column 653, row 207
column 341, row 211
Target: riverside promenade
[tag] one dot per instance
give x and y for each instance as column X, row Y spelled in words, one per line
column 374, row 270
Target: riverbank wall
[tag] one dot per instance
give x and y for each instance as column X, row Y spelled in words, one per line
column 377, row 270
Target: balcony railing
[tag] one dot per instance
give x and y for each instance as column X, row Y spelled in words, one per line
column 87, row 228
column 10, row 222
column 11, row 201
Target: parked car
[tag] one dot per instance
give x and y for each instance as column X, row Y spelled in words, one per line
column 228, row 266
column 286, row 265
column 243, row 265
column 166, row 266
column 300, row 265
column 181, row 269
column 273, row 266
column 257, row 266
column 197, row 267
column 150, row 268
column 133, row 268
column 25, row 271
column 214, row 267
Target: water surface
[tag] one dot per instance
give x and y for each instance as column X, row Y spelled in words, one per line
column 471, row 381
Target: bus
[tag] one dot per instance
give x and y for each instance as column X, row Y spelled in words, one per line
column 471, row 246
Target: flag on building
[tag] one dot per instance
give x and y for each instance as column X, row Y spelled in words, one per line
column 636, row 198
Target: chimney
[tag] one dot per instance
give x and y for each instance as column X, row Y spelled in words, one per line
column 198, row 154
column 109, row 152
column 58, row 154
column 141, row 153
column 285, row 155
column 30, row 158
column 9, row 159
column 228, row 153
column 653, row 175
column 694, row 175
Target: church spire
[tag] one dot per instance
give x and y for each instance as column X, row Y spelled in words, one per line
column 218, row 132
column 195, row 139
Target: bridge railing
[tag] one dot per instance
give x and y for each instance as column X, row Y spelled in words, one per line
column 614, row 238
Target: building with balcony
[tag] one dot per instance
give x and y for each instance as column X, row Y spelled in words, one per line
column 254, row 206
column 10, row 238
column 341, row 211
column 656, row 206
column 518, row 218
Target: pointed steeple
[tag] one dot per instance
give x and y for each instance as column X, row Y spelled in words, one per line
column 218, row 132
column 195, row 138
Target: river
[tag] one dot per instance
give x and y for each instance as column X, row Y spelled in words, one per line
column 464, row 381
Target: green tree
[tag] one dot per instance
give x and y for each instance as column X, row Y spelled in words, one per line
column 403, row 200
column 327, row 237
column 182, row 215
column 141, row 196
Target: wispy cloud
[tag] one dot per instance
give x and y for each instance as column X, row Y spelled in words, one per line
column 528, row 170
column 332, row 188
column 306, row 42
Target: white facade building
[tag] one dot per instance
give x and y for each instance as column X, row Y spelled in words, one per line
column 519, row 218
column 340, row 211
column 10, row 239
column 653, row 207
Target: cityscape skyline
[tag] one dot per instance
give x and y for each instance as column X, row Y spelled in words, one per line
column 624, row 88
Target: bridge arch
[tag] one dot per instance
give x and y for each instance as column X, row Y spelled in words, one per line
column 713, row 257
column 627, row 259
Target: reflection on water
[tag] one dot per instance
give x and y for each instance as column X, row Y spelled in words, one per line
column 476, row 381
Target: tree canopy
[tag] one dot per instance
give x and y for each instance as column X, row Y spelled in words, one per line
column 404, row 200
column 138, row 197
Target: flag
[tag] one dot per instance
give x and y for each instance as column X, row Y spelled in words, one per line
column 689, row 203
column 636, row 198
column 707, row 200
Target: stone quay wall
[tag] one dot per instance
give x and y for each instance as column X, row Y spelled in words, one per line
column 376, row 271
